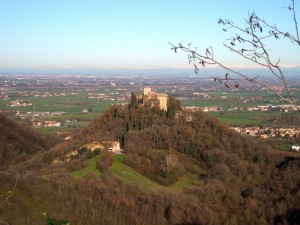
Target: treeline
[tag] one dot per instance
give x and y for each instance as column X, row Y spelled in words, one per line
column 286, row 118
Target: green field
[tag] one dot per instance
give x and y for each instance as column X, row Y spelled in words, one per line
column 238, row 98
column 72, row 103
column 239, row 118
column 245, row 118
column 188, row 180
column 130, row 176
column 91, row 168
column 69, row 104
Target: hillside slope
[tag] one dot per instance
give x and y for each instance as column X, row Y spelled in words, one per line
column 18, row 143
column 238, row 181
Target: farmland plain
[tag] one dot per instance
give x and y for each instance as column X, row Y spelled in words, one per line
column 74, row 101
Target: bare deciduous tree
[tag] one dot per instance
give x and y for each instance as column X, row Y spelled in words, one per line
column 4, row 199
column 169, row 164
column 249, row 43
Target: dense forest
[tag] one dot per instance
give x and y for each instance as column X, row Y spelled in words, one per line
column 18, row 143
column 239, row 181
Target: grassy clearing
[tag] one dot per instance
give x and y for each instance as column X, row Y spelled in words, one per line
column 130, row 176
column 122, row 171
column 2, row 103
column 286, row 147
column 186, row 181
column 89, row 169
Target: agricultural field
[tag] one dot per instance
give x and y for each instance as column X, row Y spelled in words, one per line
column 245, row 118
column 75, row 117
column 73, row 102
column 72, row 109
column 229, row 99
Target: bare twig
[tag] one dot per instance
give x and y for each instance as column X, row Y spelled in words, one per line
column 8, row 195
column 249, row 44
column 3, row 222
column 5, row 201
column 295, row 21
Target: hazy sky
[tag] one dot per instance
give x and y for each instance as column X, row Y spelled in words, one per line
column 95, row 34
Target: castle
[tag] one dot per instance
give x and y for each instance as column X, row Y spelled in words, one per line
column 151, row 95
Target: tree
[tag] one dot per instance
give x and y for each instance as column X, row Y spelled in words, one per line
column 171, row 162
column 52, row 221
column 173, row 107
column 4, row 199
column 249, row 42
column 133, row 101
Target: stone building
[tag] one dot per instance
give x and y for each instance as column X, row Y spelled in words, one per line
column 151, row 95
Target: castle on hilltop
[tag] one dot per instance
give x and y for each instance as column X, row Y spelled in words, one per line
column 149, row 95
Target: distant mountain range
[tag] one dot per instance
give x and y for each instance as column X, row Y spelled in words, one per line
column 290, row 72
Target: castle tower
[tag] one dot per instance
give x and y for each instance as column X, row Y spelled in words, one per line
column 147, row 90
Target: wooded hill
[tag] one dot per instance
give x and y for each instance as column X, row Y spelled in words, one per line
column 237, row 180
column 18, row 143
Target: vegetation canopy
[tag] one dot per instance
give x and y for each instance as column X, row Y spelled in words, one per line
column 199, row 171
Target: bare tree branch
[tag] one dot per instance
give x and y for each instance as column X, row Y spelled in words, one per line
column 9, row 194
column 3, row 222
column 295, row 21
column 249, row 44
column 5, row 201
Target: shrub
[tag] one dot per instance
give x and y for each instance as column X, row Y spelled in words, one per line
column 105, row 162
